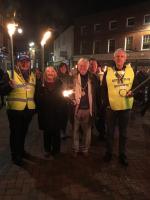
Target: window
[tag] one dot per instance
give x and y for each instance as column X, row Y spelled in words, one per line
column 130, row 21
column 63, row 40
column 97, row 27
column 84, row 30
column 146, row 42
column 147, row 19
column 1, row 28
column 97, row 46
column 84, row 46
column 113, row 25
column 129, row 43
column 111, row 46
column 1, row 19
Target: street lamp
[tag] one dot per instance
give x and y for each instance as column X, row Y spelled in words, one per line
column 20, row 31
column 31, row 44
column 46, row 36
column 11, row 30
column 32, row 53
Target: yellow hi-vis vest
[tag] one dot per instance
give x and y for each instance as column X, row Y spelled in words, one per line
column 116, row 88
column 23, row 94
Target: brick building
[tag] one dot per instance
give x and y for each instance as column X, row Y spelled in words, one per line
column 4, row 44
column 100, row 34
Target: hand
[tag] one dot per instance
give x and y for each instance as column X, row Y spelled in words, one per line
column 129, row 94
column 12, row 83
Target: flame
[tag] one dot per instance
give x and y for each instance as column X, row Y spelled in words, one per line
column 67, row 93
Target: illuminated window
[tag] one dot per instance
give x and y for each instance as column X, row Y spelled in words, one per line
column 111, row 46
column 129, row 43
column 146, row 42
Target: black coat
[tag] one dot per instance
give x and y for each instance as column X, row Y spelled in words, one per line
column 49, row 103
column 5, row 87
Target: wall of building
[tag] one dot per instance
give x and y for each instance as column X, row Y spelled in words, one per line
column 64, row 46
column 104, row 34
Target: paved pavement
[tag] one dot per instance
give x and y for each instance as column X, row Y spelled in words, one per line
column 67, row 178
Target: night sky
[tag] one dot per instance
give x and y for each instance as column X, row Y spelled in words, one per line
column 35, row 16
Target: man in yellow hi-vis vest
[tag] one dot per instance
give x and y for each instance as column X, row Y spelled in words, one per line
column 20, row 107
column 116, row 96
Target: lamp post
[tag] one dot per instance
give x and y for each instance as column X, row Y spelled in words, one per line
column 32, row 53
column 46, row 36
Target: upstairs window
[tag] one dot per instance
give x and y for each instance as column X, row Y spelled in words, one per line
column 113, row 25
column 84, row 47
column 130, row 21
column 147, row 19
column 84, row 30
column 97, row 27
column 97, row 46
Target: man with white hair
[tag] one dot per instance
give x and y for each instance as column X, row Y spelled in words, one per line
column 117, row 83
column 86, row 87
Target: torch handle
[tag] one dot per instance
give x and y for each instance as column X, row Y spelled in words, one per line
column 12, row 57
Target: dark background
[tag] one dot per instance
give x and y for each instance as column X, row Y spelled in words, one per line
column 35, row 16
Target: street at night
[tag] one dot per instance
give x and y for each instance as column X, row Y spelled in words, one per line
column 74, row 100
column 67, row 178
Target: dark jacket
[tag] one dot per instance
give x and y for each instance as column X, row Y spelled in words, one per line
column 95, row 89
column 96, row 94
column 5, row 87
column 49, row 103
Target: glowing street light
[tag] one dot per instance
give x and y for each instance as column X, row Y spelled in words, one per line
column 32, row 53
column 31, row 44
column 11, row 30
column 20, row 31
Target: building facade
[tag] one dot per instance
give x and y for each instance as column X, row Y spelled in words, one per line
column 99, row 35
column 64, row 47
column 4, row 48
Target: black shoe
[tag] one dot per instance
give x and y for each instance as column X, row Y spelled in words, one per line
column 123, row 160
column 17, row 161
column 107, row 157
column 47, row 154
column 26, row 155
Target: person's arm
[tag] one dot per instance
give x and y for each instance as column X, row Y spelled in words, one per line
column 104, row 92
column 37, row 94
column 5, row 86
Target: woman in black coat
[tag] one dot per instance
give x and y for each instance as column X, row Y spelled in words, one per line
column 49, row 100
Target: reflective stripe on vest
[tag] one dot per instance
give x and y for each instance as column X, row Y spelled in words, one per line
column 23, row 94
column 18, row 99
column 116, row 100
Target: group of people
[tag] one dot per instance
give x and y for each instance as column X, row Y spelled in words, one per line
column 105, row 102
